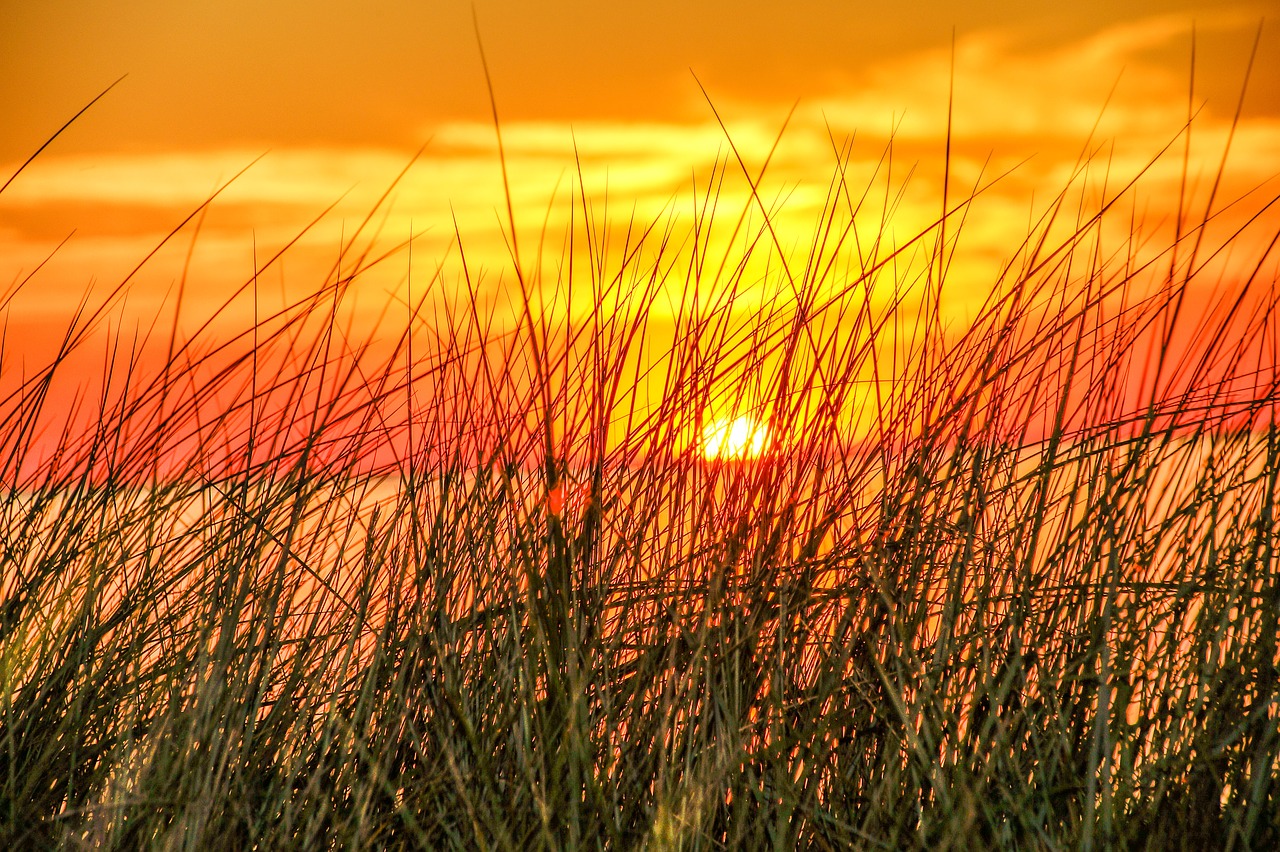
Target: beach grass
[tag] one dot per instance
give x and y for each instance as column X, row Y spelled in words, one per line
column 1005, row 583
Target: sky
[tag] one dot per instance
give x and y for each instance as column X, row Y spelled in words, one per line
column 326, row 101
column 204, row 75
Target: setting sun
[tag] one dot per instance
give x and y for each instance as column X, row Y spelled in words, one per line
column 739, row 438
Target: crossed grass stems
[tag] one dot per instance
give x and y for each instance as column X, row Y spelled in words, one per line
column 469, row 584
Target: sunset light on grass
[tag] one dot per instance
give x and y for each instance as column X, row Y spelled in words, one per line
column 667, row 425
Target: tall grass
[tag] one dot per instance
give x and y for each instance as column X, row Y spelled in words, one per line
column 1010, row 582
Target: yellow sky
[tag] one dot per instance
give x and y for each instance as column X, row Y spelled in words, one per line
column 338, row 95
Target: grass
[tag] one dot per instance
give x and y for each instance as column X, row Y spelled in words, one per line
column 1006, row 584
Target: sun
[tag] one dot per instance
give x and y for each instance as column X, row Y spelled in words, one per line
column 739, row 438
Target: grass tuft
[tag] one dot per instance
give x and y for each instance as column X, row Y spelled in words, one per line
column 1007, row 582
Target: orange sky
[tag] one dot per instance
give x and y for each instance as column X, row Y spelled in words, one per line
column 339, row 95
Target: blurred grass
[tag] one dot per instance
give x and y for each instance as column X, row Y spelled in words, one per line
column 1011, row 584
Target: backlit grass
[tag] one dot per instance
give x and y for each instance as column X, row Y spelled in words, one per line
column 479, row 581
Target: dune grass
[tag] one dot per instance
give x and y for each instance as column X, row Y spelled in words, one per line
column 473, row 584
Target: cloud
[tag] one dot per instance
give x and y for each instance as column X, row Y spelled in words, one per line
column 1011, row 103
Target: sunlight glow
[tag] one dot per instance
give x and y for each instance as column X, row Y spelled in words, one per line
column 739, row 438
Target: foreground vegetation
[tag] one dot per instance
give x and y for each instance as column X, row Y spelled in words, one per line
column 1012, row 584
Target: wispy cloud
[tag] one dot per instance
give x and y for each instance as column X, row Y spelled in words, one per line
column 1011, row 103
